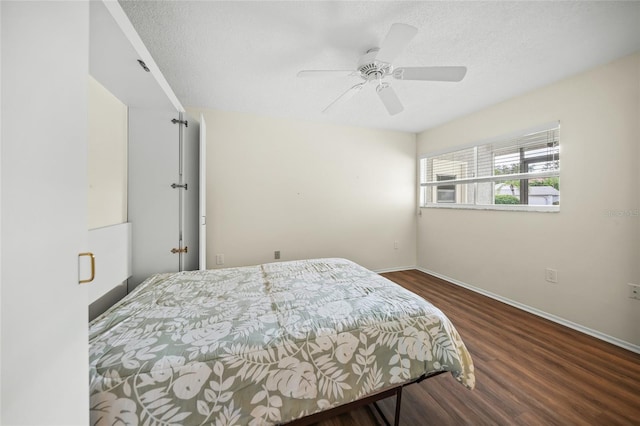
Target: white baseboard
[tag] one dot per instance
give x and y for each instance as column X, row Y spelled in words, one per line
column 398, row 269
column 591, row 332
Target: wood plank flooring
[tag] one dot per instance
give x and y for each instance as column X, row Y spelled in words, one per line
column 529, row 371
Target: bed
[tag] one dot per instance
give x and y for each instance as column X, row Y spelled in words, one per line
column 265, row 344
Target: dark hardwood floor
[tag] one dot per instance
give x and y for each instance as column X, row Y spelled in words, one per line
column 529, row 371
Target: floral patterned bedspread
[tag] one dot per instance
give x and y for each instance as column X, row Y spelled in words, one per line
column 263, row 344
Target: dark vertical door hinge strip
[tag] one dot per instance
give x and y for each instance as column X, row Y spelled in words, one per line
column 180, row 184
column 177, row 121
column 143, row 65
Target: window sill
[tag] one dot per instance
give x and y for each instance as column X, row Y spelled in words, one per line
column 503, row 207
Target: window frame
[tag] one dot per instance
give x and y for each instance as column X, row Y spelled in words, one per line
column 503, row 142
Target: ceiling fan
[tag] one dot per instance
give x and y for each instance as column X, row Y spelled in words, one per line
column 375, row 66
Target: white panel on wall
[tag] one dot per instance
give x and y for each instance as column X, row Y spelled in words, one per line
column 111, row 246
column 190, row 196
column 153, row 203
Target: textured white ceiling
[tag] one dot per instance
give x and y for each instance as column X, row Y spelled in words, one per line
column 244, row 56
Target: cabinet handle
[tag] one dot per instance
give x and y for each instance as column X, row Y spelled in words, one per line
column 93, row 267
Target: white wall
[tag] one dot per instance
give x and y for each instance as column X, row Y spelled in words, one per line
column 308, row 190
column 595, row 254
column 107, row 162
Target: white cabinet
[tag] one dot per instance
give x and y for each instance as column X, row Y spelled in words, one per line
column 161, row 152
column 44, row 353
column 46, row 51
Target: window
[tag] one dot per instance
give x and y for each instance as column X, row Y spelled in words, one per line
column 516, row 172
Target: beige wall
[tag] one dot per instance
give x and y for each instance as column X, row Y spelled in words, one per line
column 308, row 190
column 107, row 158
column 596, row 254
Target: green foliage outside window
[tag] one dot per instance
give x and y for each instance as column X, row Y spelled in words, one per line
column 507, row 199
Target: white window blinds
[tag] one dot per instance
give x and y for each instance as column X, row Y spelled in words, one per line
column 519, row 170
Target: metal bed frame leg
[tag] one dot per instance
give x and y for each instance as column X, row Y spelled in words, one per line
column 398, row 406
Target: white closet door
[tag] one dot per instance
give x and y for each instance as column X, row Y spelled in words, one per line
column 203, row 194
column 45, row 359
column 154, row 208
column 191, row 196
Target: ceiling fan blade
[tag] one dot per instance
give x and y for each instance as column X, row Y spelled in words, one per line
column 397, row 38
column 389, row 99
column 430, row 73
column 325, row 73
column 350, row 93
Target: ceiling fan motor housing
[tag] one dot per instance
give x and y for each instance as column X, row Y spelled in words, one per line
column 370, row 69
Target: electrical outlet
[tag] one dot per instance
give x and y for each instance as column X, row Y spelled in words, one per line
column 395, row 245
column 276, row 254
column 551, row 275
column 219, row 259
column 634, row 291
